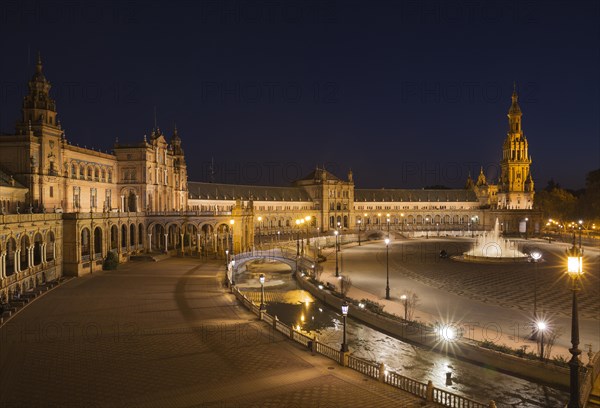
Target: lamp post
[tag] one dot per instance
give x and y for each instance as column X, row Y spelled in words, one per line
column 231, row 222
column 427, row 227
column 359, row 222
column 388, row 225
column 526, row 220
column 405, row 300
column 337, row 272
column 536, row 256
column 227, row 264
column 259, row 225
column 298, row 238
column 402, row 222
column 387, row 268
column 344, row 314
column 379, row 220
column 541, row 326
column 307, row 220
column 575, row 270
column 261, row 279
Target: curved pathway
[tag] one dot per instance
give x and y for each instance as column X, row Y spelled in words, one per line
column 163, row 335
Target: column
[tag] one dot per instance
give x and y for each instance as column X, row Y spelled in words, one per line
column 54, row 251
column 182, row 245
column 122, row 203
column 3, row 265
column 43, row 249
column 149, row 249
column 166, row 243
column 30, row 254
column 137, row 199
column 198, row 245
column 17, row 261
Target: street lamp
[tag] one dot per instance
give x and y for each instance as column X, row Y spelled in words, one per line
column 405, row 300
column 541, row 326
column 388, row 225
column 226, row 259
column 536, row 256
column 337, row 272
column 307, row 220
column 344, row 314
column 379, row 220
column 402, row 222
column 261, row 279
column 387, row 268
column 575, row 270
column 427, row 227
column 231, row 222
column 526, row 220
column 359, row 222
column 259, row 225
column 298, row 238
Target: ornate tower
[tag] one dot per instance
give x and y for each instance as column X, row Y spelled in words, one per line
column 180, row 172
column 515, row 189
column 41, row 134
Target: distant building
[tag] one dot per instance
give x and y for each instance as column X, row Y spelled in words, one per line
column 64, row 207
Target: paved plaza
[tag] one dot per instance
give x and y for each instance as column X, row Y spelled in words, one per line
column 497, row 299
column 165, row 334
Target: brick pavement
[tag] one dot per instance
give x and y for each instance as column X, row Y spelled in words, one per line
column 165, row 335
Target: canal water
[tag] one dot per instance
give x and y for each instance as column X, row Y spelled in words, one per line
column 297, row 307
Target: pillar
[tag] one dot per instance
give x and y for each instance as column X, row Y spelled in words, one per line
column 17, row 261
column 149, row 243
column 137, row 199
column 198, row 245
column 54, row 251
column 30, row 256
column 43, row 253
column 182, row 245
column 2, row 265
column 166, row 243
column 122, row 203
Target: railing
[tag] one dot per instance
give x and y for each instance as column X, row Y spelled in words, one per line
column 300, row 338
column 449, row 399
column 373, row 370
column 363, row 366
column 328, row 351
column 592, row 372
column 406, row 384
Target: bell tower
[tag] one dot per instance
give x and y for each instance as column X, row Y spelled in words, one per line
column 515, row 189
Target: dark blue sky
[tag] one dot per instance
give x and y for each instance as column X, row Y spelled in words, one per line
column 407, row 93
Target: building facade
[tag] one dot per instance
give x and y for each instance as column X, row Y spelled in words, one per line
column 64, row 207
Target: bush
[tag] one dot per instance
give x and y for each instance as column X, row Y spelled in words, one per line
column 110, row 262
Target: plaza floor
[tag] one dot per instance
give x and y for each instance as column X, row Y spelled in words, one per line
column 165, row 334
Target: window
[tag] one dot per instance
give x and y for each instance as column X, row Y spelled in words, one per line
column 110, row 176
column 76, row 200
column 108, row 199
column 51, row 191
column 73, row 171
column 93, row 198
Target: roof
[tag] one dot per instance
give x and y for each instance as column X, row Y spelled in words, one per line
column 317, row 174
column 216, row 191
column 6, row 180
column 379, row 195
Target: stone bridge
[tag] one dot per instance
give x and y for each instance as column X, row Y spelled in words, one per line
column 285, row 256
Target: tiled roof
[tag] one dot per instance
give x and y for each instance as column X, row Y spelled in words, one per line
column 317, row 173
column 379, row 195
column 215, row 191
column 7, row 181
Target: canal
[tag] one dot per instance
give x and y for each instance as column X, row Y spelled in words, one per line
column 297, row 307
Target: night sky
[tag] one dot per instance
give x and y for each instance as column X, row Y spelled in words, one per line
column 407, row 94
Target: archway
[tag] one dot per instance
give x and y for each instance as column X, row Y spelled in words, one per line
column 158, row 238
column 23, row 253
column 37, row 249
column 206, row 239
column 11, row 247
column 132, row 235
column 97, row 242
column 50, row 246
column 114, row 237
column 131, row 201
column 141, row 235
column 123, row 238
column 85, row 244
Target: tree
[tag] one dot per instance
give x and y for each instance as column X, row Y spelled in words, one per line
column 110, row 262
column 590, row 200
column 555, row 202
column 412, row 300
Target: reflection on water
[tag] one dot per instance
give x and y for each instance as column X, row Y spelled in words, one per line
column 412, row 361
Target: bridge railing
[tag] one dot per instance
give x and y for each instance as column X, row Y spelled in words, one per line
column 374, row 370
column 592, row 372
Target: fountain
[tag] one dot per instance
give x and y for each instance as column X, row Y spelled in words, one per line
column 491, row 247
